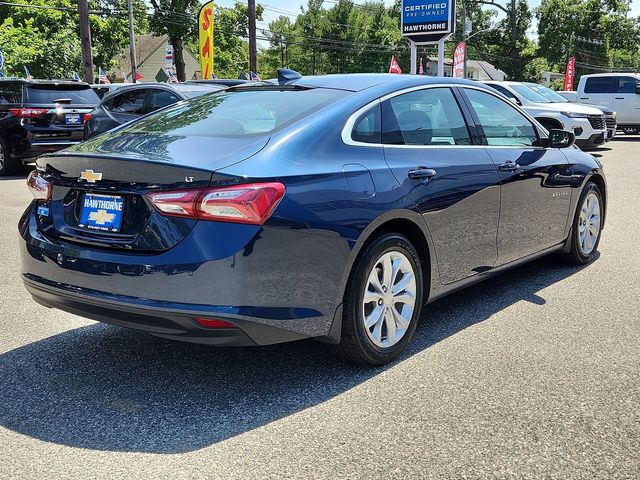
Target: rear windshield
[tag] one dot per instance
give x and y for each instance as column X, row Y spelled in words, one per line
column 239, row 113
column 78, row 94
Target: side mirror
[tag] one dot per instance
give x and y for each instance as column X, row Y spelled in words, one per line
column 514, row 100
column 637, row 88
column 561, row 138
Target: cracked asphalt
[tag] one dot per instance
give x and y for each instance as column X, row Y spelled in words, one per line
column 532, row 374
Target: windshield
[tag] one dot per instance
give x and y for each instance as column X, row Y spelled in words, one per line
column 529, row 94
column 78, row 94
column 547, row 93
column 237, row 113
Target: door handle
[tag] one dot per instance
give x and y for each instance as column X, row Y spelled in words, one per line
column 618, row 98
column 584, row 98
column 508, row 167
column 421, row 173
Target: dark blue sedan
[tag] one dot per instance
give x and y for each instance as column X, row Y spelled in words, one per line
column 331, row 207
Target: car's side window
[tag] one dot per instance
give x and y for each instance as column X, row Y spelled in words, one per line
column 504, row 91
column 10, row 93
column 367, row 127
column 600, row 85
column 627, row 85
column 424, row 117
column 129, row 102
column 162, row 98
column 501, row 123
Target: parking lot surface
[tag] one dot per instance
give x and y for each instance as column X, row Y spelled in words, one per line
column 534, row 373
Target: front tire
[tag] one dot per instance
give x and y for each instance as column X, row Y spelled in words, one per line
column 587, row 226
column 382, row 302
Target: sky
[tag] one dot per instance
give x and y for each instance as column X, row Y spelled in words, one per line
column 275, row 8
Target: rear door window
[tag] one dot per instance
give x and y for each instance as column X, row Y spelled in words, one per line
column 502, row 124
column 424, row 117
column 627, row 85
column 161, row 98
column 10, row 93
column 600, row 85
column 131, row 102
column 367, row 127
column 50, row 93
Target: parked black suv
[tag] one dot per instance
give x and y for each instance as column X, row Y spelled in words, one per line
column 39, row 116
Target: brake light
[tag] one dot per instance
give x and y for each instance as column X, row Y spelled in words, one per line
column 214, row 323
column 28, row 112
column 38, row 186
column 252, row 203
column 86, row 117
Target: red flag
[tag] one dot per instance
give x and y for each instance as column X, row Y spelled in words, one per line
column 569, row 73
column 393, row 66
column 458, row 60
column 139, row 76
column 420, row 69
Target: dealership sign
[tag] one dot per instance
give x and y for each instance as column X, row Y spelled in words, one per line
column 428, row 21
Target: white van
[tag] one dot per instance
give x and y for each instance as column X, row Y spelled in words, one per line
column 620, row 91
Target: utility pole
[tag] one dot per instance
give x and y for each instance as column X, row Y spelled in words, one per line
column 253, row 52
column 85, row 40
column 514, row 35
column 132, row 44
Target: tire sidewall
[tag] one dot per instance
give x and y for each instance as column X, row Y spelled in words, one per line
column 589, row 188
column 9, row 163
column 384, row 244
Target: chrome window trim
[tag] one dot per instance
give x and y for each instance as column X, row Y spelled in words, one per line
column 350, row 123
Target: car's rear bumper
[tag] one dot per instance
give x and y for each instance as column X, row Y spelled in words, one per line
column 32, row 150
column 282, row 285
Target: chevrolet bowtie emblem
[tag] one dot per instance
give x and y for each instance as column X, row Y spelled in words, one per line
column 90, row 176
column 101, row 217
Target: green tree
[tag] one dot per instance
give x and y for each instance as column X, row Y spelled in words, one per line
column 178, row 20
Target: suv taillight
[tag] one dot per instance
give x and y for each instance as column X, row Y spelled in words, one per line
column 252, row 203
column 38, row 186
column 28, row 112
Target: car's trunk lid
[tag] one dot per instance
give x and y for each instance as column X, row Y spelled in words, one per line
column 111, row 174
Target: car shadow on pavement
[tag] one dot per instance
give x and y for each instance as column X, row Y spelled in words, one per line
column 105, row 388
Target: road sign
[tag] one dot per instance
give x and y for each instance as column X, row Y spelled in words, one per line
column 428, row 21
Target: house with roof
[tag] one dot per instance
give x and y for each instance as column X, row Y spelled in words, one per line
column 154, row 55
column 476, row 69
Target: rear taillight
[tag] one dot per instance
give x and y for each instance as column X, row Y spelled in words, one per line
column 28, row 112
column 252, row 203
column 38, row 186
column 86, row 117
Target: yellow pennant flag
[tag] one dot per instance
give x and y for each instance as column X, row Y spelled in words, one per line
column 205, row 28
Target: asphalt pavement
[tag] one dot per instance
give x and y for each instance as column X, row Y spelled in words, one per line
column 535, row 373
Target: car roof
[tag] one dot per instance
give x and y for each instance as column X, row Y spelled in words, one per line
column 614, row 74
column 177, row 87
column 218, row 81
column 43, row 82
column 356, row 82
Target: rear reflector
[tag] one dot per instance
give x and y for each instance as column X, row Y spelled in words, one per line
column 214, row 323
column 38, row 186
column 86, row 117
column 251, row 203
column 28, row 112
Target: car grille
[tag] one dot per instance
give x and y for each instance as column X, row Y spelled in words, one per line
column 597, row 121
column 610, row 120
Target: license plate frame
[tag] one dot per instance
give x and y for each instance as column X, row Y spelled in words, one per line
column 72, row 119
column 101, row 212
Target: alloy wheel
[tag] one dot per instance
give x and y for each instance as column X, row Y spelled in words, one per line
column 389, row 299
column 589, row 224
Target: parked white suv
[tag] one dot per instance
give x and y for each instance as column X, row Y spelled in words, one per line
column 619, row 91
column 587, row 123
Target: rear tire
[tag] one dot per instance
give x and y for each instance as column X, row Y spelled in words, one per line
column 7, row 164
column 382, row 302
column 587, row 226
